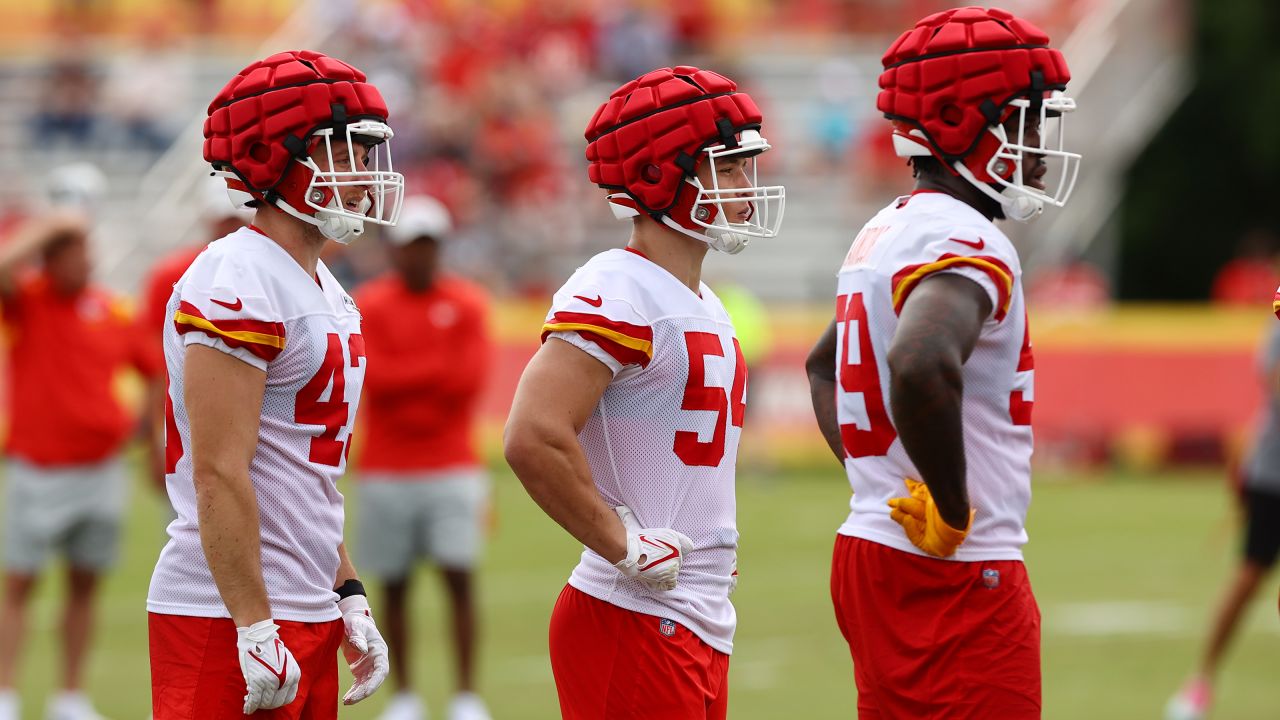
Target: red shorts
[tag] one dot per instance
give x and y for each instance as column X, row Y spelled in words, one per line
column 195, row 669
column 936, row 638
column 615, row 664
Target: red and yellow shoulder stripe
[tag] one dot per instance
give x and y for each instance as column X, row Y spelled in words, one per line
column 264, row 339
column 906, row 279
column 628, row 344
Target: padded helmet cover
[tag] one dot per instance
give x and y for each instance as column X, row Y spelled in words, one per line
column 649, row 135
column 955, row 72
column 265, row 115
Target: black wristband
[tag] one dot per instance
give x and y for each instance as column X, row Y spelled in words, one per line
column 349, row 588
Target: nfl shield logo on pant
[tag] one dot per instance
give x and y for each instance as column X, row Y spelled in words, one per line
column 667, row 627
column 991, row 578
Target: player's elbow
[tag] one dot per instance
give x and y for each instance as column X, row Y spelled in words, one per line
column 924, row 373
column 820, row 366
column 522, row 442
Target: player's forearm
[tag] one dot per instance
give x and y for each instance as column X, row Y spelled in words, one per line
column 926, row 391
column 227, row 508
column 346, row 569
column 555, row 473
column 820, row 367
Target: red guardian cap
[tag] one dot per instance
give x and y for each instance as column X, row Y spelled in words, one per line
column 264, row 126
column 952, row 82
column 648, row 139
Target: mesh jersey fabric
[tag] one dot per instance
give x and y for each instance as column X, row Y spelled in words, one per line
column 915, row 237
column 247, row 297
column 663, row 439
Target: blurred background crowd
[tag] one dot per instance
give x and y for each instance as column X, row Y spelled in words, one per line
column 1149, row 292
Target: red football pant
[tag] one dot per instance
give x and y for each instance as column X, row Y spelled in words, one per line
column 615, row 664
column 934, row 639
column 195, row 669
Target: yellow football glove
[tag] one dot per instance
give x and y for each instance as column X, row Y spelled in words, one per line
column 925, row 528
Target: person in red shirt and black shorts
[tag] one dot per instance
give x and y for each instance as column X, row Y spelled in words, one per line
column 422, row 490
column 68, row 340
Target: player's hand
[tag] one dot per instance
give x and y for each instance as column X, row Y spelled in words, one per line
column 925, row 528
column 271, row 674
column 654, row 555
column 364, row 648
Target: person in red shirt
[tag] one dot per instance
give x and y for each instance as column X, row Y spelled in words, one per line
column 421, row 488
column 68, row 341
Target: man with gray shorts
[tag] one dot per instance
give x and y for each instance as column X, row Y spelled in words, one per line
column 422, row 492
column 1258, row 490
column 65, row 483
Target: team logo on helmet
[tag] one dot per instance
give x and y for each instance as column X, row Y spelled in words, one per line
column 647, row 141
column 264, row 127
column 952, row 83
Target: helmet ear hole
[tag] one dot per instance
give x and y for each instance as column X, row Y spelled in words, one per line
column 651, row 174
column 951, row 115
column 260, row 152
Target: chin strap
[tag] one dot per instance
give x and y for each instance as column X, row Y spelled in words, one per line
column 725, row 241
column 1017, row 206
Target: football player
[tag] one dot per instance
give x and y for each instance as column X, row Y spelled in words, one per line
column 922, row 385
column 254, row 594
column 625, row 425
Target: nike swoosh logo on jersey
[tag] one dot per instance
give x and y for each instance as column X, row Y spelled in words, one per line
column 234, row 307
column 975, row 245
column 597, row 302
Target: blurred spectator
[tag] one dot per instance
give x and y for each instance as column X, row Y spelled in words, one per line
column 1251, row 277
column 1076, row 284
column 635, row 37
column 835, row 114
column 66, row 481
column 423, row 491
column 1259, row 495
column 68, row 107
column 146, row 88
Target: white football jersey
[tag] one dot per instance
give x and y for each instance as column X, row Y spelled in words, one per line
column 917, row 236
column 664, row 438
column 247, row 297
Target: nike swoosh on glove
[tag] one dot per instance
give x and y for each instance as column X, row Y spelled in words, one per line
column 271, row 674
column 365, row 650
column 654, row 555
column 925, row 528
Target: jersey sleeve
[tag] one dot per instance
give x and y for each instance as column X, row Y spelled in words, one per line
column 225, row 305
column 601, row 324
column 991, row 262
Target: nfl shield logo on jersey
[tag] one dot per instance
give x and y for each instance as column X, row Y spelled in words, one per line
column 667, row 627
column 991, row 578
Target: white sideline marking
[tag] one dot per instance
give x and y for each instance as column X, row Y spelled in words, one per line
column 1120, row 617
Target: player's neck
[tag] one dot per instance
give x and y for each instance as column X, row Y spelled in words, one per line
column 960, row 189
column 674, row 252
column 302, row 241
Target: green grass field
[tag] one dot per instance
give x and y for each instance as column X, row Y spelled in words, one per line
column 1126, row 570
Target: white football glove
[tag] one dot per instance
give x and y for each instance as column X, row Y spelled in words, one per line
column 271, row 674
column 365, row 650
column 654, row 555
